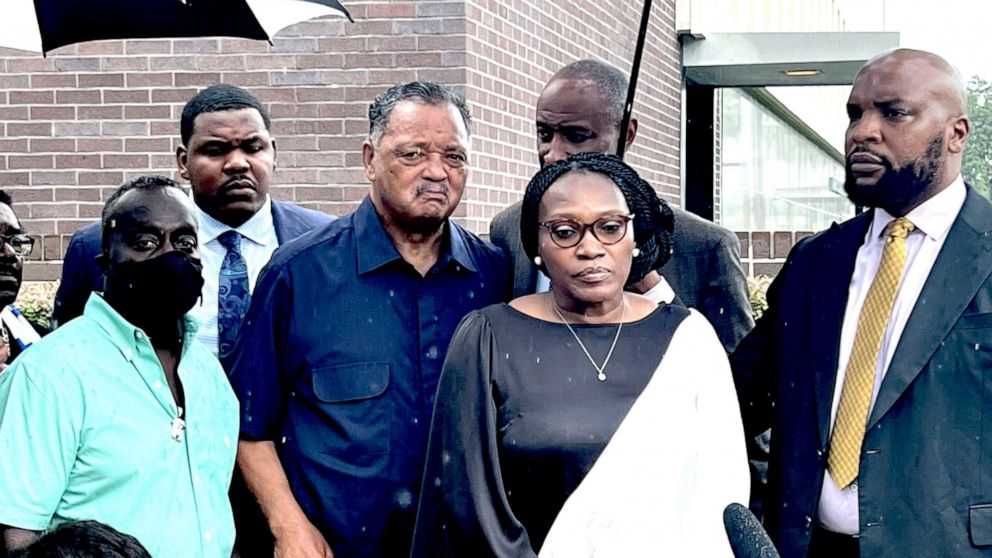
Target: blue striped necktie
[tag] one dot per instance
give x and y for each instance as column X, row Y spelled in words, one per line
column 232, row 293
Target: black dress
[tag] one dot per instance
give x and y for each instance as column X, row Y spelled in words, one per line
column 520, row 419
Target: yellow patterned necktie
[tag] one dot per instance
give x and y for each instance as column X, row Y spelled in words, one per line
column 859, row 380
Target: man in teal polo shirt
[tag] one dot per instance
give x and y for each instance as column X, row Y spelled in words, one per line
column 121, row 416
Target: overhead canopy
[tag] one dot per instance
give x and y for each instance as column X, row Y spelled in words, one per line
column 763, row 59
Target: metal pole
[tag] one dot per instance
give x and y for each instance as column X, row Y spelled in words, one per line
column 634, row 71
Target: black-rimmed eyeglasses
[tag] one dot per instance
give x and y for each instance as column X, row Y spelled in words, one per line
column 566, row 233
column 20, row 243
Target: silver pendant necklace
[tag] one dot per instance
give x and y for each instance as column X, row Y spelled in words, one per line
column 600, row 369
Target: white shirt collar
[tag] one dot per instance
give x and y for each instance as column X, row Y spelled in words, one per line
column 661, row 292
column 933, row 217
column 254, row 229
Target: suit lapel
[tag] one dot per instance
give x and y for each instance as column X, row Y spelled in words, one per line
column 830, row 283
column 963, row 265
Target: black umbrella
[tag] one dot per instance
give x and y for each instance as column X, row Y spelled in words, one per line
column 43, row 25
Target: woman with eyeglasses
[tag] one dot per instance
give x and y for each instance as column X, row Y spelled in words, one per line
column 16, row 331
column 584, row 421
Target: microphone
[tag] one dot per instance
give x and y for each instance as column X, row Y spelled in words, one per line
column 748, row 538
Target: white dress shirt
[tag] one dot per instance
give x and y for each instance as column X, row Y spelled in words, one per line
column 661, row 292
column 838, row 509
column 258, row 242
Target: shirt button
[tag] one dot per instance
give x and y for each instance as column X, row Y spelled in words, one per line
column 208, row 536
column 854, row 486
column 128, row 354
column 139, row 335
column 157, row 384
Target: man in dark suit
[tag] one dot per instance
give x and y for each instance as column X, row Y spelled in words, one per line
column 872, row 364
column 580, row 110
column 228, row 155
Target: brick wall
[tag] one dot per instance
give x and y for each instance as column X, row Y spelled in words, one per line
column 515, row 46
column 77, row 123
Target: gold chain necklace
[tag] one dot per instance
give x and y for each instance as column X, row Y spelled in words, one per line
column 600, row 369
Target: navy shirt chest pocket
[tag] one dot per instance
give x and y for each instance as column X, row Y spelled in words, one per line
column 354, row 401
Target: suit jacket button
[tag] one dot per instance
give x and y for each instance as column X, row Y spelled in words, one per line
column 819, row 453
column 809, row 521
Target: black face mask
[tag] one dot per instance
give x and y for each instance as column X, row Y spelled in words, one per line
column 154, row 294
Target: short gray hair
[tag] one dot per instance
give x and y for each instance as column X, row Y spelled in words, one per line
column 610, row 81
column 418, row 91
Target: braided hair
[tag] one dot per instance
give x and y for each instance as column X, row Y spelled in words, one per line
column 653, row 225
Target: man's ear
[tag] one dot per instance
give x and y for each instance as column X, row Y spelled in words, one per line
column 959, row 129
column 368, row 153
column 631, row 134
column 181, row 154
column 274, row 153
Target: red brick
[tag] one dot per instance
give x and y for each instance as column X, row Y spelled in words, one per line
column 73, row 97
column 101, row 80
column 229, row 63
column 22, row 81
column 29, row 129
column 163, row 79
column 77, row 194
column 30, row 162
column 242, row 46
column 173, row 95
column 198, row 78
column 77, row 162
column 102, row 178
column 125, row 63
column 52, row 210
column 125, row 161
column 25, row 195
column 391, row 10
column 164, row 128
column 169, row 63
column 124, row 128
column 121, row 96
column 95, row 145
column 782, row 243
column 32, row 64
column 15, row 113
column 53, row 113
column 32, row 97
column 148, row 47
column 155, row 145
column 245, row 79
column 52, row 178
column 140, row 112
column 109, row 112
column 42, row 145
column 14, row 178
column 761, row 245
column 101, row 47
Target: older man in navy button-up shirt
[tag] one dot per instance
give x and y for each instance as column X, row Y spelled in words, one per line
column 339, row 357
